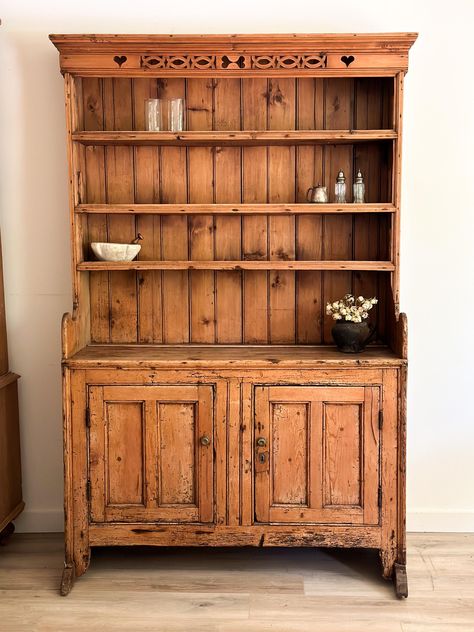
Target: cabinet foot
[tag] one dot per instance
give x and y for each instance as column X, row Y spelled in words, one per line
column 6, row 532
column 67, row 580
column 400, row 580
column 387, row 558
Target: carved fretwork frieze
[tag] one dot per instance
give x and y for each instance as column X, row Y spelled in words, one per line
column 233, row 61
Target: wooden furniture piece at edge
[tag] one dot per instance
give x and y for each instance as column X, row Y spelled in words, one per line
column 203, row 404
column 11, row 502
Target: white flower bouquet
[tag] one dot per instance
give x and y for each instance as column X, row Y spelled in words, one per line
column 351, row 308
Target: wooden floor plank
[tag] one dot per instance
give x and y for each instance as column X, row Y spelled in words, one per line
column 237, row 590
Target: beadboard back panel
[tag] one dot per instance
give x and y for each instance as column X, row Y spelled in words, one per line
column 206, row 306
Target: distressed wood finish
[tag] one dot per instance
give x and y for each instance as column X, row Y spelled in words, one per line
column 203, row 402
column 151, row 453
column 317, row 455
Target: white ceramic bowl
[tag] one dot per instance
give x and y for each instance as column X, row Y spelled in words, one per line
column 115, row 252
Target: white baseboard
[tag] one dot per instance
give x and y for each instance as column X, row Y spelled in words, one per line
column 52, row 520
column 441, row 521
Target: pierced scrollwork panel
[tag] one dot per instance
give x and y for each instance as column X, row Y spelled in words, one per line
column 234, row 61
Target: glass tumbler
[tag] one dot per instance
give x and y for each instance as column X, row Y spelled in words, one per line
column 154, row 115
column 176, row 115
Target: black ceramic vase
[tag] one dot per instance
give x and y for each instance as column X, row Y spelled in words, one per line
column 352, row 337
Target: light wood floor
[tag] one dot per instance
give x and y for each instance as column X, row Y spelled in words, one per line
column 241, row 590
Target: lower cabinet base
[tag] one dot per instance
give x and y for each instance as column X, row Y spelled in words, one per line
column 67, row 580
column 255, row 535
column 400, row 580
column 227, row 536
column 274, row 457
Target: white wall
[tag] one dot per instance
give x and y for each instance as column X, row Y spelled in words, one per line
column 437, row 226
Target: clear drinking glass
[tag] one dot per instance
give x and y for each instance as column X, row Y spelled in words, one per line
column 154, row 115
column 176, row 115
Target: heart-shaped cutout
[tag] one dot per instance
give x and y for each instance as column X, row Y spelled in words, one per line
column 347, row 59
column 120, row 59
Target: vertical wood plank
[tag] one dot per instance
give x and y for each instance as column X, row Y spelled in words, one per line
column 97, row 453
column 389, row 465
column 233, row 452
column 309, row 172
column 371, row 447
column 228, row 229
column 201, row 229
column 281, row 188
column 147, row 190
column 120, row 189
column 174, row 229
column 289, row 453
column 337, row 231
column 79, row 463
column 125, row 462
column 176, row 456
column 262, row 469
column 342, row 454
column 247, row 459
column 93, row 108
column 175, row 283
column 224, row 418
column 151, row 452
column 371, row 232
column 254, row 228
column 316, row 455
column 206, row 454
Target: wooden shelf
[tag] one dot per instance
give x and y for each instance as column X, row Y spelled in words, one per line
column 233, row 209
column 209, row 138
column 228, row 356
column 384, row 266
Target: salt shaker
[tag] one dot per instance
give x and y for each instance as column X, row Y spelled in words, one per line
column 359, row 189
column 340, row 189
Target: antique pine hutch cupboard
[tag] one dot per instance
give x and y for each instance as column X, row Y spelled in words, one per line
column 204, row 403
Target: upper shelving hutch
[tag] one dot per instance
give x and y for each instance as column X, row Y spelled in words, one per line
column 232, row 252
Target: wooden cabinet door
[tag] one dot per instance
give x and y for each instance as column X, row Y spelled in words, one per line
column 317, row 454
column 151, row 453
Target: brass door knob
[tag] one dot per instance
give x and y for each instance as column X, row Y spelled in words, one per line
column 261, row 442
column 205, row 440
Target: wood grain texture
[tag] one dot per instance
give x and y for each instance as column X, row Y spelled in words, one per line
column 11, row 500
column 228, row 230
column 200, row 98
column 234, row 208
column 177, row 431
column 279, row 281
column 280, row 135
column 296, row 589
column 147, row 458
column 309, row 467
column 162, row 173
column 119, row 188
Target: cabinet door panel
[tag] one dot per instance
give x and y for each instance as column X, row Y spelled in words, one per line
column 316, row 454
column 146, row 458
column 177, row 429
column 342, row 457
column 290, row 453
column 125, row 457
